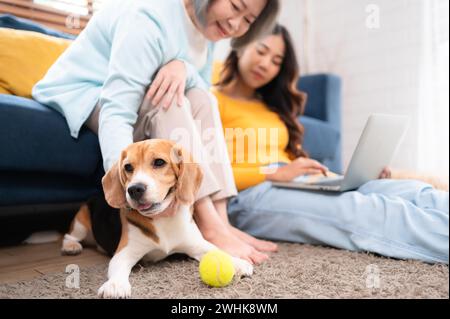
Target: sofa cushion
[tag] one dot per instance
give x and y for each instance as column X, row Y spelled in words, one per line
column 324, row 97
column 13, row 22
column 321, row 140
column 27, row 188
column 35, row 138
column 25, row 57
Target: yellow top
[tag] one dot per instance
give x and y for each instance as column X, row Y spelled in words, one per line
column 255, row 137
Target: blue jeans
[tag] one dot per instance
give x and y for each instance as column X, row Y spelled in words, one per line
column 403, row 219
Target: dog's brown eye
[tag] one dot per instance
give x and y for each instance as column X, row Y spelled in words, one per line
column 128, row 168
column 159, row 162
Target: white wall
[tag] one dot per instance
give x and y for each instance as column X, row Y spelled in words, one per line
column 381, row 68
column 292, row 16
column 376, row 65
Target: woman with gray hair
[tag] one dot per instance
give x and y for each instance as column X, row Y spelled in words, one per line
column 133, row 61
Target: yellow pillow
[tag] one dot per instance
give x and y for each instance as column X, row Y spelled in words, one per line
column 25, row 57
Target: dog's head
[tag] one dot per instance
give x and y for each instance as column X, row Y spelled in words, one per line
column 150, row 175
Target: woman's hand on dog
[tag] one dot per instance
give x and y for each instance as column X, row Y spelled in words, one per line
column 168, row 85
column 298, row 167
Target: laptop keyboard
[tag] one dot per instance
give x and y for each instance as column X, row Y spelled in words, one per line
column 320, row 180
column 330, row 181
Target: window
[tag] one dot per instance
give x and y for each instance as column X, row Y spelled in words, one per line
column 81, row 7
column 70, row 16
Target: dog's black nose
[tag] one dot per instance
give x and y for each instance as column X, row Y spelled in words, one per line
column 136, row 191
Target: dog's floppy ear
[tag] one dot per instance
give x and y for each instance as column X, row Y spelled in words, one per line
column 113, row 187
column 189, row 176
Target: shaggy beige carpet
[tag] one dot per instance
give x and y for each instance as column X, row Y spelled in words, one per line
column 296, row 271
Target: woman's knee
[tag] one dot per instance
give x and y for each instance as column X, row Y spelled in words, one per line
column 159, row 122
column 393, row 187
column 175, row 111
column 204, row 103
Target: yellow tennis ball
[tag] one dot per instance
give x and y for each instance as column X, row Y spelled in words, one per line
column 216, row 268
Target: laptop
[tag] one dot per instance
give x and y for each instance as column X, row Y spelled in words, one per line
column 375, row 150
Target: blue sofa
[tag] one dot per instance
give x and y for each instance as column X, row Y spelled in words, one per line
column 43, row 169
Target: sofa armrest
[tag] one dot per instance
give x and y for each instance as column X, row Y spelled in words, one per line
column 321, row 139
column 321, row 142
column 324, row 97
column 324, row 103
column 35, row 138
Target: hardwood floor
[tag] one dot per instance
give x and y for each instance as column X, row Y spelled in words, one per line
column 26, row 262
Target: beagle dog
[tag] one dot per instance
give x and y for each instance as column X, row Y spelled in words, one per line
column 150, row 192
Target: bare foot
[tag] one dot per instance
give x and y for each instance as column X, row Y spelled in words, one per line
column 386, row 173
column 261, row 245
column 228, row 242
column 217, row 232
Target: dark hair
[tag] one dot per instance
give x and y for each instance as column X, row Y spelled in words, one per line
column 281, row 94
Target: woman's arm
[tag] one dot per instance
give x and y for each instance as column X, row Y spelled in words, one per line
column 247, row 177
column 136, row 54
column 300, row 166
column 176, row 77
column 194, row 78
column 200, row 79
column 171, row 82
column 206, row 72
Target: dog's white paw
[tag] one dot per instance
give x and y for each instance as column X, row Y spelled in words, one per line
column 242, row 267
column 71, row 247
column 115, row 288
